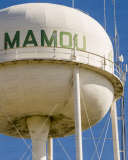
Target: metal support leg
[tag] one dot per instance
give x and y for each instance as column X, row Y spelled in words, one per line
column 115, row 131
column 50, row 149
column 78, row 133
column 123, row 129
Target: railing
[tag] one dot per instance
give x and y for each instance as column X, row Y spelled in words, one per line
column 65, row 54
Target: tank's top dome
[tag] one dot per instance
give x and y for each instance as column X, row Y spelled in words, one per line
column 39, row 16
column 33, row 24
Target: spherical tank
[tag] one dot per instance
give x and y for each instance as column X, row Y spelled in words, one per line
column 36, row 67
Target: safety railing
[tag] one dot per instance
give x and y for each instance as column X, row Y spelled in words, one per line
column 66, row 54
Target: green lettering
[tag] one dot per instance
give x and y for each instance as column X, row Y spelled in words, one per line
column 45, row 38
column 32, row 41
column 84, row 43
column 70, row 39
column 7, row 40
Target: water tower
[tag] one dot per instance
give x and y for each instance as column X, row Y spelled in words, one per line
column 52, row 59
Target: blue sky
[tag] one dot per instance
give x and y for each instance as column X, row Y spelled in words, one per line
column 13, row 149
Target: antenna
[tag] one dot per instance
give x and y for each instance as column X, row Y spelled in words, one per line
column 72, row 3
column 121, row 59
column 104, row 17
column 115, row 31
column 126, row 69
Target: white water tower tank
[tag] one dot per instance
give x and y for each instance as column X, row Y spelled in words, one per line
column 33, row 80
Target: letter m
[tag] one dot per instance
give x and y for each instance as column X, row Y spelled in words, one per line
column 11, row 44
column 45, row 38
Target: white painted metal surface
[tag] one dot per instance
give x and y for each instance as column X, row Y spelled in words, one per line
column 115, row 131
column 35, row 87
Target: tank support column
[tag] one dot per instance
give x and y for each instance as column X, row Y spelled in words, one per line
column 115, row 131
column 77, row 109
column 50, row 149
column 35, row 123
